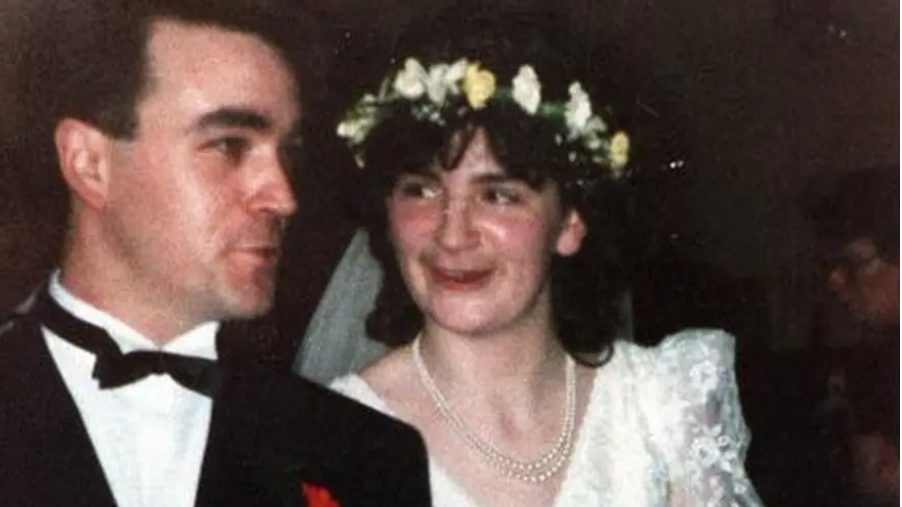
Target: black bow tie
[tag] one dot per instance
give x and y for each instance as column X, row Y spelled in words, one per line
column 115, row 369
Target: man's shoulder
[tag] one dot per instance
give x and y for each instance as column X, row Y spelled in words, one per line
column 18, row 343
column 8, row 327
column 11, row 323
column 14, row 324
column 364, row 456
column 304, row 406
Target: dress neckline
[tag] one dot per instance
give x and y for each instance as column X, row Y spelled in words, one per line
column 585, row 434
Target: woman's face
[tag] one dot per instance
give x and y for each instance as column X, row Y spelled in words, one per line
column 474, row 245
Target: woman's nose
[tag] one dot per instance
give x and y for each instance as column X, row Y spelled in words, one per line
column 456, row 229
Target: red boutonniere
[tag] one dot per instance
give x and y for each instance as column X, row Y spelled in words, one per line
column 318, row 496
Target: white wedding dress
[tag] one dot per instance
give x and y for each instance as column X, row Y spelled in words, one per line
column 663, row 428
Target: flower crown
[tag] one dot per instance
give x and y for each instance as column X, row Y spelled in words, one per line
column 431, row 97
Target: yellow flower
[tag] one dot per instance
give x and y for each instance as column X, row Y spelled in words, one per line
column 620, row 149
column 478, row 86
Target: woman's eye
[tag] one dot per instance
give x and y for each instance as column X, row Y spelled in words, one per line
column 501, row 195
column 417, row 189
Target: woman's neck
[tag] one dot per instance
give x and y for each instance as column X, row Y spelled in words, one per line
column 519, row 368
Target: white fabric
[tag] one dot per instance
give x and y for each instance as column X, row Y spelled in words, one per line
column 663, row 428
column 149, row 436
column 335, row 343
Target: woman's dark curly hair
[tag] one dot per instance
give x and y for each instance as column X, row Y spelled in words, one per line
column 585, row 287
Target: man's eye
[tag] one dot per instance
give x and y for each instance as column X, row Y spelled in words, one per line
column 232, row 147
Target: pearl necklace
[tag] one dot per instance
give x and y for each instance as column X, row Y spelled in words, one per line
column 535, row 472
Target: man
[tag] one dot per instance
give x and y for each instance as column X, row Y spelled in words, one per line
column 857, row 227
column 172, row 124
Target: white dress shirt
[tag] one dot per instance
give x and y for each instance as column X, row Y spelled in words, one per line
column 150, row 435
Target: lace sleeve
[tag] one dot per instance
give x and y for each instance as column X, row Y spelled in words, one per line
column 699, row 422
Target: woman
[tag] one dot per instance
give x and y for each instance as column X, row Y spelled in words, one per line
column 495, row 218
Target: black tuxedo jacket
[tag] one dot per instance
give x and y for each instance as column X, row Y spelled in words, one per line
column 271, row 433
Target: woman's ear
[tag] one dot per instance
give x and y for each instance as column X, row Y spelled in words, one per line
column 84, row 160
column 571, row 236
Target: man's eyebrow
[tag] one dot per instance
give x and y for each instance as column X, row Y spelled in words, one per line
column 230, row 117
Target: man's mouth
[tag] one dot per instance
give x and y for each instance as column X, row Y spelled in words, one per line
column 267, row 255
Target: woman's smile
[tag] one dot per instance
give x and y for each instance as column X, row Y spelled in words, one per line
column 460, row 279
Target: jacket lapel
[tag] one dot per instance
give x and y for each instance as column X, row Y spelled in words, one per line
column 42, row 434
column 234, row 471
column 278, row 440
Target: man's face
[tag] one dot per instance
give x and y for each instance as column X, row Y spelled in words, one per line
column 866, row 283
column 198, row 198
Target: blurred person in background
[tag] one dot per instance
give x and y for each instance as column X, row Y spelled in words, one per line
column 857, row 230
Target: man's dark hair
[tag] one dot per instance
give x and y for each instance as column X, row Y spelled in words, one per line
column 862, row 203
column 90, row 60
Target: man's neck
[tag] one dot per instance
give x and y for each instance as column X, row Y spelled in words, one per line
column 152, row 319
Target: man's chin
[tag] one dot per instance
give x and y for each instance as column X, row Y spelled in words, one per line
column 250, row 303
column 252, row 312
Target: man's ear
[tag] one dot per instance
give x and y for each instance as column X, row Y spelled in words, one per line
column 572, row 233
column 84, row 159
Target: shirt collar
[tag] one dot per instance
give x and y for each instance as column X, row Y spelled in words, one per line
column 199, row 341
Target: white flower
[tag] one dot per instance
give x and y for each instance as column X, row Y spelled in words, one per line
column 435, row 83
column 443, row 80
column 422, row 111
column 578, row 110
column 358, row 124
column 358, row 159
column 355, row 130
column 596, row 125
column 527, row 89
column 592, row 137
column 455, row 75
column 410, row 83
column 347, row 129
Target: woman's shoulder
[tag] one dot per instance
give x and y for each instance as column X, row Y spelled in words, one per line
column 692, row 364
column 355, row 387
column 378, row 383
column 686, row 347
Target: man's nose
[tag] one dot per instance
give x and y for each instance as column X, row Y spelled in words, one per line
column 275, row 194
